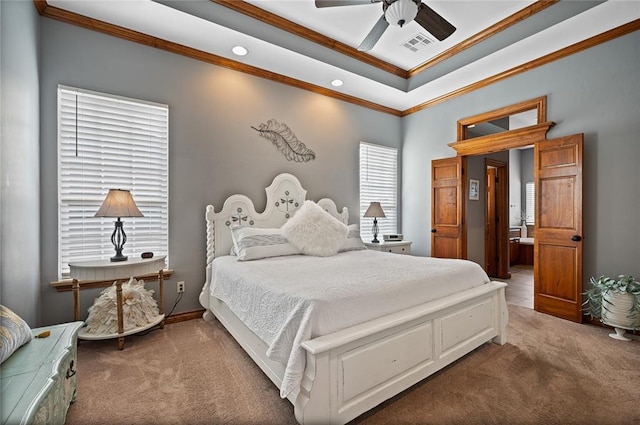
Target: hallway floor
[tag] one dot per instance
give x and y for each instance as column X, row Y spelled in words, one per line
column 520, row 287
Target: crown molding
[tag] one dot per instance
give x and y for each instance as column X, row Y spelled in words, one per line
column 117, row 31
column 509, row 21
column 543, row 60
column 53, row 12
column 286, row 25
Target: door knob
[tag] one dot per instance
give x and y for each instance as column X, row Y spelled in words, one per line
column 433, row 230
column 576, row 238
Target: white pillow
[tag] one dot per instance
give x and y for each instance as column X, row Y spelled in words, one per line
column 314, row 231
column 353, row 241
column 252, row 243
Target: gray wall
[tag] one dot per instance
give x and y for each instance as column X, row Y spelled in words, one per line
column 594, row 92
column 19, row 160
column 213, row 152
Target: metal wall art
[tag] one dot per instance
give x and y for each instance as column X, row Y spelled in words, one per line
column 285, row 141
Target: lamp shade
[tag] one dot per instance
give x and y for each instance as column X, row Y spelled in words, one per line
column 374, row 210
column 118, row 203
column 401, row 12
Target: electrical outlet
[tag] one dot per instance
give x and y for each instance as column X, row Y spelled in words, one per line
column 180, row 286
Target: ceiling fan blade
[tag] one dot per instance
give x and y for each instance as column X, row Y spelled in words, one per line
column 334, row 3
column 374, row 35
column 429, row 19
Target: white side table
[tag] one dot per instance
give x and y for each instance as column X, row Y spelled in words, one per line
column 396, row 247
column 88, row 272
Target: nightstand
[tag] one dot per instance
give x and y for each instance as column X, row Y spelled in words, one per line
column 91, row 272
column 396, row 247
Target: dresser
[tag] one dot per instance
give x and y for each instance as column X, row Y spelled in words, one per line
column 39, row 379
column 395, row 247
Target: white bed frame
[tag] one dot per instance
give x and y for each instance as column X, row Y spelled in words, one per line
column 351, row 371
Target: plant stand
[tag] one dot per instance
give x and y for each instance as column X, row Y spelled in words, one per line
column 619, row 335
column 616, row 314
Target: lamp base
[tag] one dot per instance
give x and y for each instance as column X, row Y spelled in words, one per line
column 374, row 230
column 118, row 238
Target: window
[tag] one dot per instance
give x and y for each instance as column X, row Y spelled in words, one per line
column 530, row 203
column 110, row 142
column 378, row 182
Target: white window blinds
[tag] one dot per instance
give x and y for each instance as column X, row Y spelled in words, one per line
column 110, row 142
column 530, row 203
column 378, row 182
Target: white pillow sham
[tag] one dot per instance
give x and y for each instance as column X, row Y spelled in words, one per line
column 251, row 243
column 314, row 231
column 353, row 241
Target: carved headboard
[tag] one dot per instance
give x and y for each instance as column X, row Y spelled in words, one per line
column 284, row 196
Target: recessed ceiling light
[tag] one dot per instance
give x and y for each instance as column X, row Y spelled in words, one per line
column 337, row 83
column 239, row 50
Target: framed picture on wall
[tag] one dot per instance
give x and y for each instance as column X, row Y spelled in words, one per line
column 474, row 189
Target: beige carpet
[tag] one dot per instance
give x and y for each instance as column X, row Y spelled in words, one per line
column 550, row 372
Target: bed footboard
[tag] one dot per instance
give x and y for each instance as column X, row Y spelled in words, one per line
column 351, row 371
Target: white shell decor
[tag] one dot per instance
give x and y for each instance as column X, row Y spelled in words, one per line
column 139, row 308
column 616, row 308
column 285, row 141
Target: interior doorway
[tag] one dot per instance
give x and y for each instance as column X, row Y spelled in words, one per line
column 496, row 238
column 506, row 201
column 558, row 176
column 521, row 226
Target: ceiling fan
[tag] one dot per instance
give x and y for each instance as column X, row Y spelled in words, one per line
column 398, row 13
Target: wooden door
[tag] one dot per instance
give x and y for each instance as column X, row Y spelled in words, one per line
column 501, row 216
column 490, row 237
column 558, row 227
column 447, row 208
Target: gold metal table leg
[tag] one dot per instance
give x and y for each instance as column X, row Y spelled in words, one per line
column 120, row 314
column 161, row 296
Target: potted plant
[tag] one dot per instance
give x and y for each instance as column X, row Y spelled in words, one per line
column 616, row 302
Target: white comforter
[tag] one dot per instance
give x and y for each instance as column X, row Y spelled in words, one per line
column 288, row 300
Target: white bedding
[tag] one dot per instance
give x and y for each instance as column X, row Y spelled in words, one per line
column 288, row 300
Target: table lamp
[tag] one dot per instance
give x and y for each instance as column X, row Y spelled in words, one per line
column 375, row 211
column 118, row 203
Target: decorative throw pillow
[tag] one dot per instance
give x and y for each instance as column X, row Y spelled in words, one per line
column 314, row 231
column 14, row 332
column 353, row 241
column 252, row 243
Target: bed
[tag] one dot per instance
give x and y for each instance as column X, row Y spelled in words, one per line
column 337, row 334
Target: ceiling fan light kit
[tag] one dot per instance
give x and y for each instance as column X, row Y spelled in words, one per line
column 397, row 13
column 400, row 12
